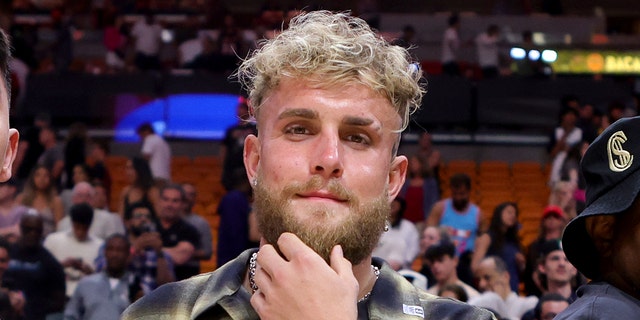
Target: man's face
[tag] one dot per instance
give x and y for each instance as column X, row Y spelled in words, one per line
column 443, row 268
column 190, row 195
column 117, row 255
column 460, row 197
column 625, row 256
column 489, row 279
column 558, row 268
column 170, row 204
column 550, row 309
column 324, row 166
column 430, row 236
column 31, row 229
column 80, row 231
column 99, row 198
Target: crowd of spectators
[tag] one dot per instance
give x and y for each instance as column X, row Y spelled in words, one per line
column 68, row 250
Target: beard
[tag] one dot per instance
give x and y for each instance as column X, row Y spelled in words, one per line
column 358, row 233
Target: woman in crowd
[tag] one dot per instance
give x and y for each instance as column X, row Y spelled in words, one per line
column 40, row 194
column 420, row 190
column 141, row 187
column 502, row 240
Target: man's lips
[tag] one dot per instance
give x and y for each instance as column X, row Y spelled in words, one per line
column 321, row 195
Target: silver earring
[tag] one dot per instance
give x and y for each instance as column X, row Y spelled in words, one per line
column 386, row 226
column 255, row 182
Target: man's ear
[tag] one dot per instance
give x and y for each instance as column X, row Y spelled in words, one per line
column 9, row 154
column 251, row 157
column 397, row 174
column 601, row 230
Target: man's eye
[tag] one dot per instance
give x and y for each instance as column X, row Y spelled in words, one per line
column 297, row 130
column 360, row 139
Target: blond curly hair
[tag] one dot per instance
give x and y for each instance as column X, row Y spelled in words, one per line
column 328, row 49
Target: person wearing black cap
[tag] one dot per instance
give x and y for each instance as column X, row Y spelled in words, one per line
column 603, row 242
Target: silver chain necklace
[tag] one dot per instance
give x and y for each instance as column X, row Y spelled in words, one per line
column 254, row 286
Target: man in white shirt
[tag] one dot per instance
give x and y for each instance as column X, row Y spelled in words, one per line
column 450, row 46
column 487, row 49
column 76, row 250
column 157, row 151
column 147, row 34
column 496, row 294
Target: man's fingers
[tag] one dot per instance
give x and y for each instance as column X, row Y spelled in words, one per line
column 292, row 248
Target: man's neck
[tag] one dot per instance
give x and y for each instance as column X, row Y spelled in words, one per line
column 561, row 288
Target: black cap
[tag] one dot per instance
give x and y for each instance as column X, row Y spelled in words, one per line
column 611, row 169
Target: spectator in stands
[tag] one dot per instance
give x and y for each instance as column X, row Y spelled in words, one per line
column 98, row 172
column 562, row 195
column 179, row 238
column 551, row 226
column 11, row 302
column 148, row 264
column 53, row 156
column 115, row 42
column 230, row 44
column 103, row 224
column 190, row 48
column 420, row 190
column 64, row 26
column 101, row 200
column 157, row 151
column 430, row 237
column 494, row 283
column 453, row 291
column 205, row 250
column 406, row 39
column 146, row 33
column 556, row 273
column 141, row 187
column 30, row 148
column 36, row 272
column 527, row 67
column 430, row 154
column 450, row 46
column 400, row 244
column 40, row 195
column 234, row 210
column 586, row 122
column 10, row 211
column 570, row 172
column 105, row 294
column 325, row 172
column 462, row 219
column 233, row 144
column 564, row 136
column 487, row 48
column 549, row 306
column 502, row 241
column 75, row 151
column 444, row 263
column 615, row 111
column 602, row 242
column 75, row 249
column 80, row 174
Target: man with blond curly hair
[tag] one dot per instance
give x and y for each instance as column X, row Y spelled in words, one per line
column 330, row 98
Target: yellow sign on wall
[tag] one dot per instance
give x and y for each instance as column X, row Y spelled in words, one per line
column 597, row 62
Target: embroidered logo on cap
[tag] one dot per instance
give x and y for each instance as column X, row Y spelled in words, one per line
column 619, row 159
